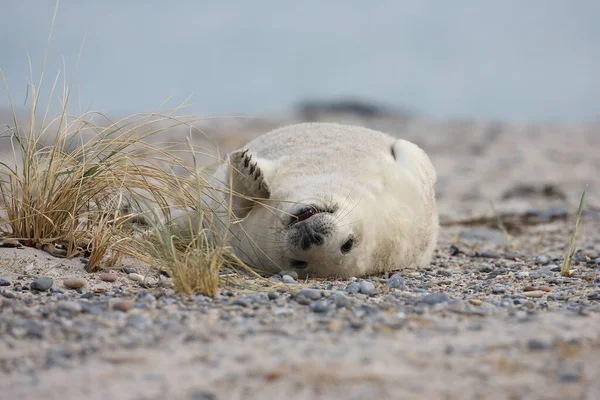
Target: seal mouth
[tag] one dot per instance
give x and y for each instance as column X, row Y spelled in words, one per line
column 305, row 213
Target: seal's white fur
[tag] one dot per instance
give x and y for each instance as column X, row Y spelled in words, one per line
column 374, row 188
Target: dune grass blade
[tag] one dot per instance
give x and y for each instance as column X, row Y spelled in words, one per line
column 565, row 268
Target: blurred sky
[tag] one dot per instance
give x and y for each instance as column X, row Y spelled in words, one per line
column 533, row 60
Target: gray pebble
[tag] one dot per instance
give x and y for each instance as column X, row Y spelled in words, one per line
column 313, row 294
column 293, row 274
column 396, row 282
column 272, row 295
column 201, row 395
column 499, row 289
column 352, row 288
column 485, row 268
column 367, row 288
column 340, row 300
column 303, row 300
column 42, row 284
column 542, row 259
column 435, row 298
column 240, row 302
column 542, row 272
column 318, row 306
column 129, row 270
column 538, row 344
column 288, row 279
column 568, row 372
column 70, row 306
column 4, row 282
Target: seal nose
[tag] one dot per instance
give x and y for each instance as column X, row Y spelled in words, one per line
column 310, row 237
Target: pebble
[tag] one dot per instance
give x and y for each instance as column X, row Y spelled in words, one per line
column 288, row 279
column 396, row 282
column 485, row 268
column 499, row 289
column 475, row 302
column 522, row 274
column 543, row 260
column 293, row 274
column 545, row 288
column 272, row 295
column 367, row 288
column 135, row 277
column 42, row 284
column 352, row 288
column 535, row 293
column 435, row 298
column 303, row 300
column 108, row 276
column 74, row 283
column 124, row 305
column 318, row 306
column 4, row 282
column 129, row 270
column 70, row 306
column 313, row 294
column 340, row 300
column 538, row 344
column 568, row 372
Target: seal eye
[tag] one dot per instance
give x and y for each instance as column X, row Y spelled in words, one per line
column 347, row 246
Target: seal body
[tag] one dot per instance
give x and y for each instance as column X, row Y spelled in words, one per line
column 327, row 200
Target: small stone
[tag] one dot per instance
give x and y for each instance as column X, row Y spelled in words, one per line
column 340, row 300
column 42, row 284
column 240, row 302
column 498, row 289
column 568, row 372
column 108, row 276
column 475, row 302
column 522, row 275
column 396, row 282
column 74, row 283
column 293, row 274
column 367, row 287
column 435, row 298
column 288, row 279
column 545, row 288
column 272, row 295
column 312, row 294
column 538, row 344
column 318, row 306
column 135, row 277
column 303, row 300
column 535, row 293
column 124, row 305
column 4, row 282
column 543, row 260
column 129, row 270
column 485, row 268
column 352, row 288
column 70, row 306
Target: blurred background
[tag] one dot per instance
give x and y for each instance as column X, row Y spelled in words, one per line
column 535, row 61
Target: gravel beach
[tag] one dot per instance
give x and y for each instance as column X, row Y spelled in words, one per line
column 491, row 318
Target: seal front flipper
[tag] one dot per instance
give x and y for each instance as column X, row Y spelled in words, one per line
column 248, row 177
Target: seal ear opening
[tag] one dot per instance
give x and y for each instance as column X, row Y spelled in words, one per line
column 246, row 176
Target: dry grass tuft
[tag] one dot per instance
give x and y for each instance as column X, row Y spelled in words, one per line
column 85, row 184
column 566, row 265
